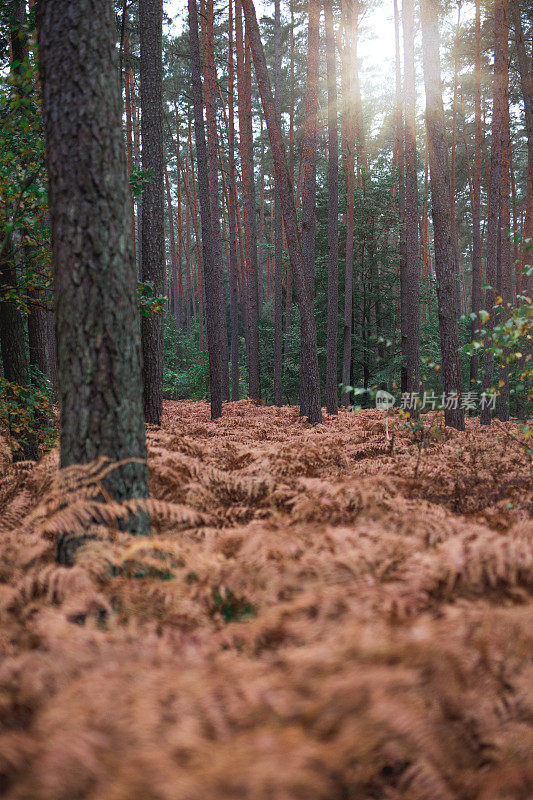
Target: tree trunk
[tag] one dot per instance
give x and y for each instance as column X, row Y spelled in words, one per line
column 411, row 295
column 309, row 146
column 348, row 153
column 476, row 186
column 99, row 361
column 444, row 242
column 248, row 201
column 212, row 293
column 400, row 152
column 333, row 216
column 212, row 149
column 505, row 272
column 173, row 253
column 153, row 239
column 493, row 218
column 309, row 360
column 278, row 226
column 232, row 221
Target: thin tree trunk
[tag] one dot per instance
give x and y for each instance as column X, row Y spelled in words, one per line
column 476, row 235
column 173, row 253
column 493, row 218
column 212, row 149
column 309, row 146
column 278, row 226
column 232, row 216
column 410, row 297
column 99, row 362
column 505, row 277
column 212, row 294
column 309, row 360
column 152, row 205
column 442, row 213
column 333, row 216
column 248, row 201
column 348, row 153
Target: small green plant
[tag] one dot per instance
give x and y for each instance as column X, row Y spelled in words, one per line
column 230, row 607
column 28, row 410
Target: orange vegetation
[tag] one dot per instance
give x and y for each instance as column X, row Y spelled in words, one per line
column 320, row 615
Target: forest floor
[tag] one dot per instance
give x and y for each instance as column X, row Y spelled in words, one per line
column 321, row 614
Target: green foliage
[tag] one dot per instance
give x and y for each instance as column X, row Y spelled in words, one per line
column 509, row 340
column 230, row 607
column 28, row 410
column 149, row 302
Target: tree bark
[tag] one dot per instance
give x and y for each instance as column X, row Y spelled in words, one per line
column 248, row 201
column 152, row 206
column 411, row 294
column 348, row 153
column 309, row 146
column 476, row 186
column 444, row 242
column 333, row 216
column 99, row 354
column 493, row 217
column 232, row 222
column 309, row 360
column 212, row 149
column 278, row 226
column 212, row 294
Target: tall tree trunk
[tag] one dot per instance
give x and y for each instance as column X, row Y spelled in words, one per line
column 153, row 238
column 212, row 293
column 442, row 212
column 493, row 218
column 348, row 154
column 333, row 216
column 309, row 360
column 505, row 276
column 173, row 253
column 526, row 84
column 476, row 186
column 278, row 226
column 232, row 221
column 309, row 146
column 411, row 295
column 400, row 151
column 212, row 149
column 99, row 362
column 128, row 92
column 248, row 201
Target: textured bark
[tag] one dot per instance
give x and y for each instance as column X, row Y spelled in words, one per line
column 232, row 223
column 476, row 189
column 526, row 84
column 443, row 233
column 278, row 226
column 400, row 155
column 348, row 155
column 210, row 281
column 504, row 283
column 309, row 146
column 173, row 252
column 152, row 206
column 128, row 92
column 98, row 348
column 309, row 360
column 248, row 201
column 333, row 216
column 410, row 297
column 212, row 149
column 493, row 218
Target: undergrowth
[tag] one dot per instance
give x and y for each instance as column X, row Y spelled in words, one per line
column 320, row 613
